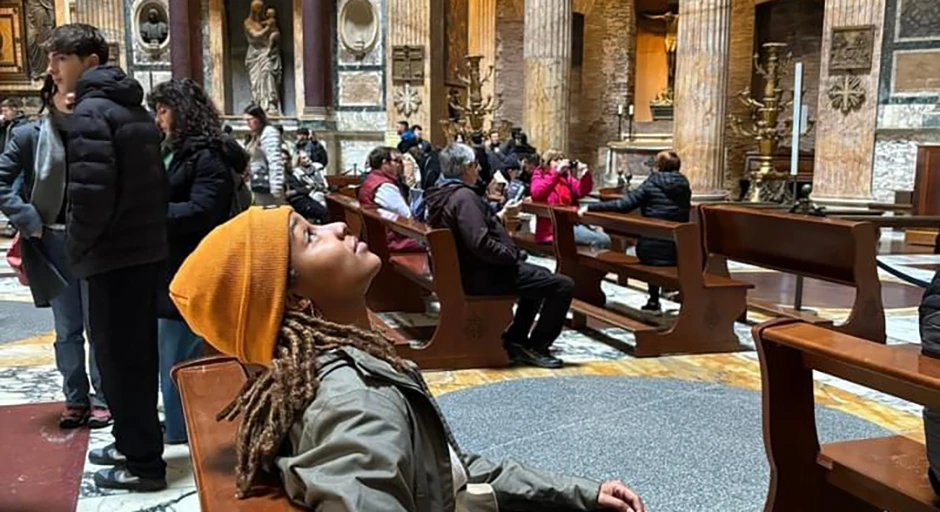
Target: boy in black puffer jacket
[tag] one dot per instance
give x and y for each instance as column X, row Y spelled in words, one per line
column 116, row 239
column 665, row 195
column 929, row 313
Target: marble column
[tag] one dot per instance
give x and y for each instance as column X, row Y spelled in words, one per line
column 701, row 93
column 186, row 39
column 547, row 61
column 318, row 56
column 482, row 37
column 845, row 143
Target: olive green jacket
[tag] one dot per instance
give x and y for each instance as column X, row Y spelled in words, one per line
column 374, row 440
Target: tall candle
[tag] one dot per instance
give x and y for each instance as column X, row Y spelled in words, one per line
column 630, row 110
column 619, row 110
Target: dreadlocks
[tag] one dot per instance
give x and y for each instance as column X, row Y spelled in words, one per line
column 272, row 400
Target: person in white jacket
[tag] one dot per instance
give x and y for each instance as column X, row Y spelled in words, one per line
column 267, row 163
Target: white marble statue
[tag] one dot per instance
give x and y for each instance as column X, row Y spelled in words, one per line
column 263, row 59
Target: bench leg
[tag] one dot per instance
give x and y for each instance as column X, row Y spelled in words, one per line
column 705, row 325
column 390, row 291
column 468, row 335
column 587, row 285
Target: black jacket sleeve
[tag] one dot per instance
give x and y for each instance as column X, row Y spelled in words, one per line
column 472, row 229
column 629, row 202
column 22, row 214
column 210, row 196
column 93, row 177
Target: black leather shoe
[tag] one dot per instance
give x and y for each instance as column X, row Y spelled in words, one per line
column 530, row 357
column 121, row 478
column 652, row 307
column 107, row 456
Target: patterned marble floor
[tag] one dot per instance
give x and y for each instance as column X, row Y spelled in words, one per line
column 27, row 374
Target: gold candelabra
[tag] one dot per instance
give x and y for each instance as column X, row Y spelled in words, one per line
column 471, row 116
column 766, row 129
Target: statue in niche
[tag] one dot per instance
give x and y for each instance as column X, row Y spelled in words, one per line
column 263, row 60
column 154, row 31
column 672, row 39
column 40, row 20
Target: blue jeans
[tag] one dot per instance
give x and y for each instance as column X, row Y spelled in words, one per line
column 591, row 236
column 177, row 343
column 69, row 311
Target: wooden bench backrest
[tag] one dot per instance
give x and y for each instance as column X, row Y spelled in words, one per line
column 343, row 208
column 687, row 237
column 441, row 244
column 837, row 251
column 789, row 352
column 206, row 386
column 537, row 208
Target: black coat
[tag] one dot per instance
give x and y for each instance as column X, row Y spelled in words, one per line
column 201, row 185
column 664, row 196
column 117, row 185
column 488, row 257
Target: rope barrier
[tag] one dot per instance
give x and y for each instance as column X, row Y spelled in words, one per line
column 901, row 275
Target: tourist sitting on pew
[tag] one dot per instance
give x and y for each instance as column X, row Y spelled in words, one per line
column 382, row 188
column 348, row 424
column 665, row 195
column 492, row 264
column 929, row 313
column 560, row 183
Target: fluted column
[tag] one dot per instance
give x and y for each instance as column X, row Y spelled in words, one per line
column 701, row 97
column 482, row 37
column 547, row 61
column 845, row 143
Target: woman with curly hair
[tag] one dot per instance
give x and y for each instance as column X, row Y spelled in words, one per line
column 200, row 161
column 348, row 424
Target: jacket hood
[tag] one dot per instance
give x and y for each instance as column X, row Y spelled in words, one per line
column 112, row 83
column 226, row 147
column 437, row 196
column 675, row 186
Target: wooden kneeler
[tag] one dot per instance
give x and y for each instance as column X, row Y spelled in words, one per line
column 206, row 386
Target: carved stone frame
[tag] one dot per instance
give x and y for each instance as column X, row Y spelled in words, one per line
column 16, row 71
column 369, row 45
column 139, row 9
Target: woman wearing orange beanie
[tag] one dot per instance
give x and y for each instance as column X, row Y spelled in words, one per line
column 361, row 430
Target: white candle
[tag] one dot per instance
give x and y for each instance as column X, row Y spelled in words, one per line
column 619, row 110
column 630, row 110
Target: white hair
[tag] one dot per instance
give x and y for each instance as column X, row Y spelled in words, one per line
column 455, row 158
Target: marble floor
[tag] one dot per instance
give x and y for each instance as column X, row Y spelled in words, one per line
column 27, row 374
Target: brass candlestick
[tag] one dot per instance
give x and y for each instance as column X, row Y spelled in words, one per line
column 766, row 129
column 472, row 115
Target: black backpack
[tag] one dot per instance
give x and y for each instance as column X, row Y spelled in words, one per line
column 238, row 159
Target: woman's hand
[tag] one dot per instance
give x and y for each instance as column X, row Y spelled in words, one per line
column 615, row 495
column 582, row 170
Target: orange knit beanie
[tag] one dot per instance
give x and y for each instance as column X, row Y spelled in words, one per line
column 231, row 290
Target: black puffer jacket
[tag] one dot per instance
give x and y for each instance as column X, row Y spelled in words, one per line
column 488, row 257
column 117, row 185
column 201, row 186
column 664, row 196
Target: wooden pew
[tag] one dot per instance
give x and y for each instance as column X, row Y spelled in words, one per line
column 710, row 303
column 389, row 291
column 345, row 185
column 888, row 473
column 526, row 240
column 836, row 251
column 206, row 386
column 469, row 328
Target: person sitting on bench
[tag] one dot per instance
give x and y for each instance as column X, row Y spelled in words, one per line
column 492, row 264
column 383, row 188
column 349, row 425
column 665, row 195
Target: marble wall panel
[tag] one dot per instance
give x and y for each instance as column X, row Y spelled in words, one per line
column 360, row 88
column 916, row 72
column 355, row 153
column 895, row 162
column 361, row 121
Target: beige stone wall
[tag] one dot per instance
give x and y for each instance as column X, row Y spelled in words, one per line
column 740, row 70
column 606, row 76
column 508, row 76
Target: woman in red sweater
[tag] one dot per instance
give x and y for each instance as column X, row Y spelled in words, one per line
column 557, row 183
